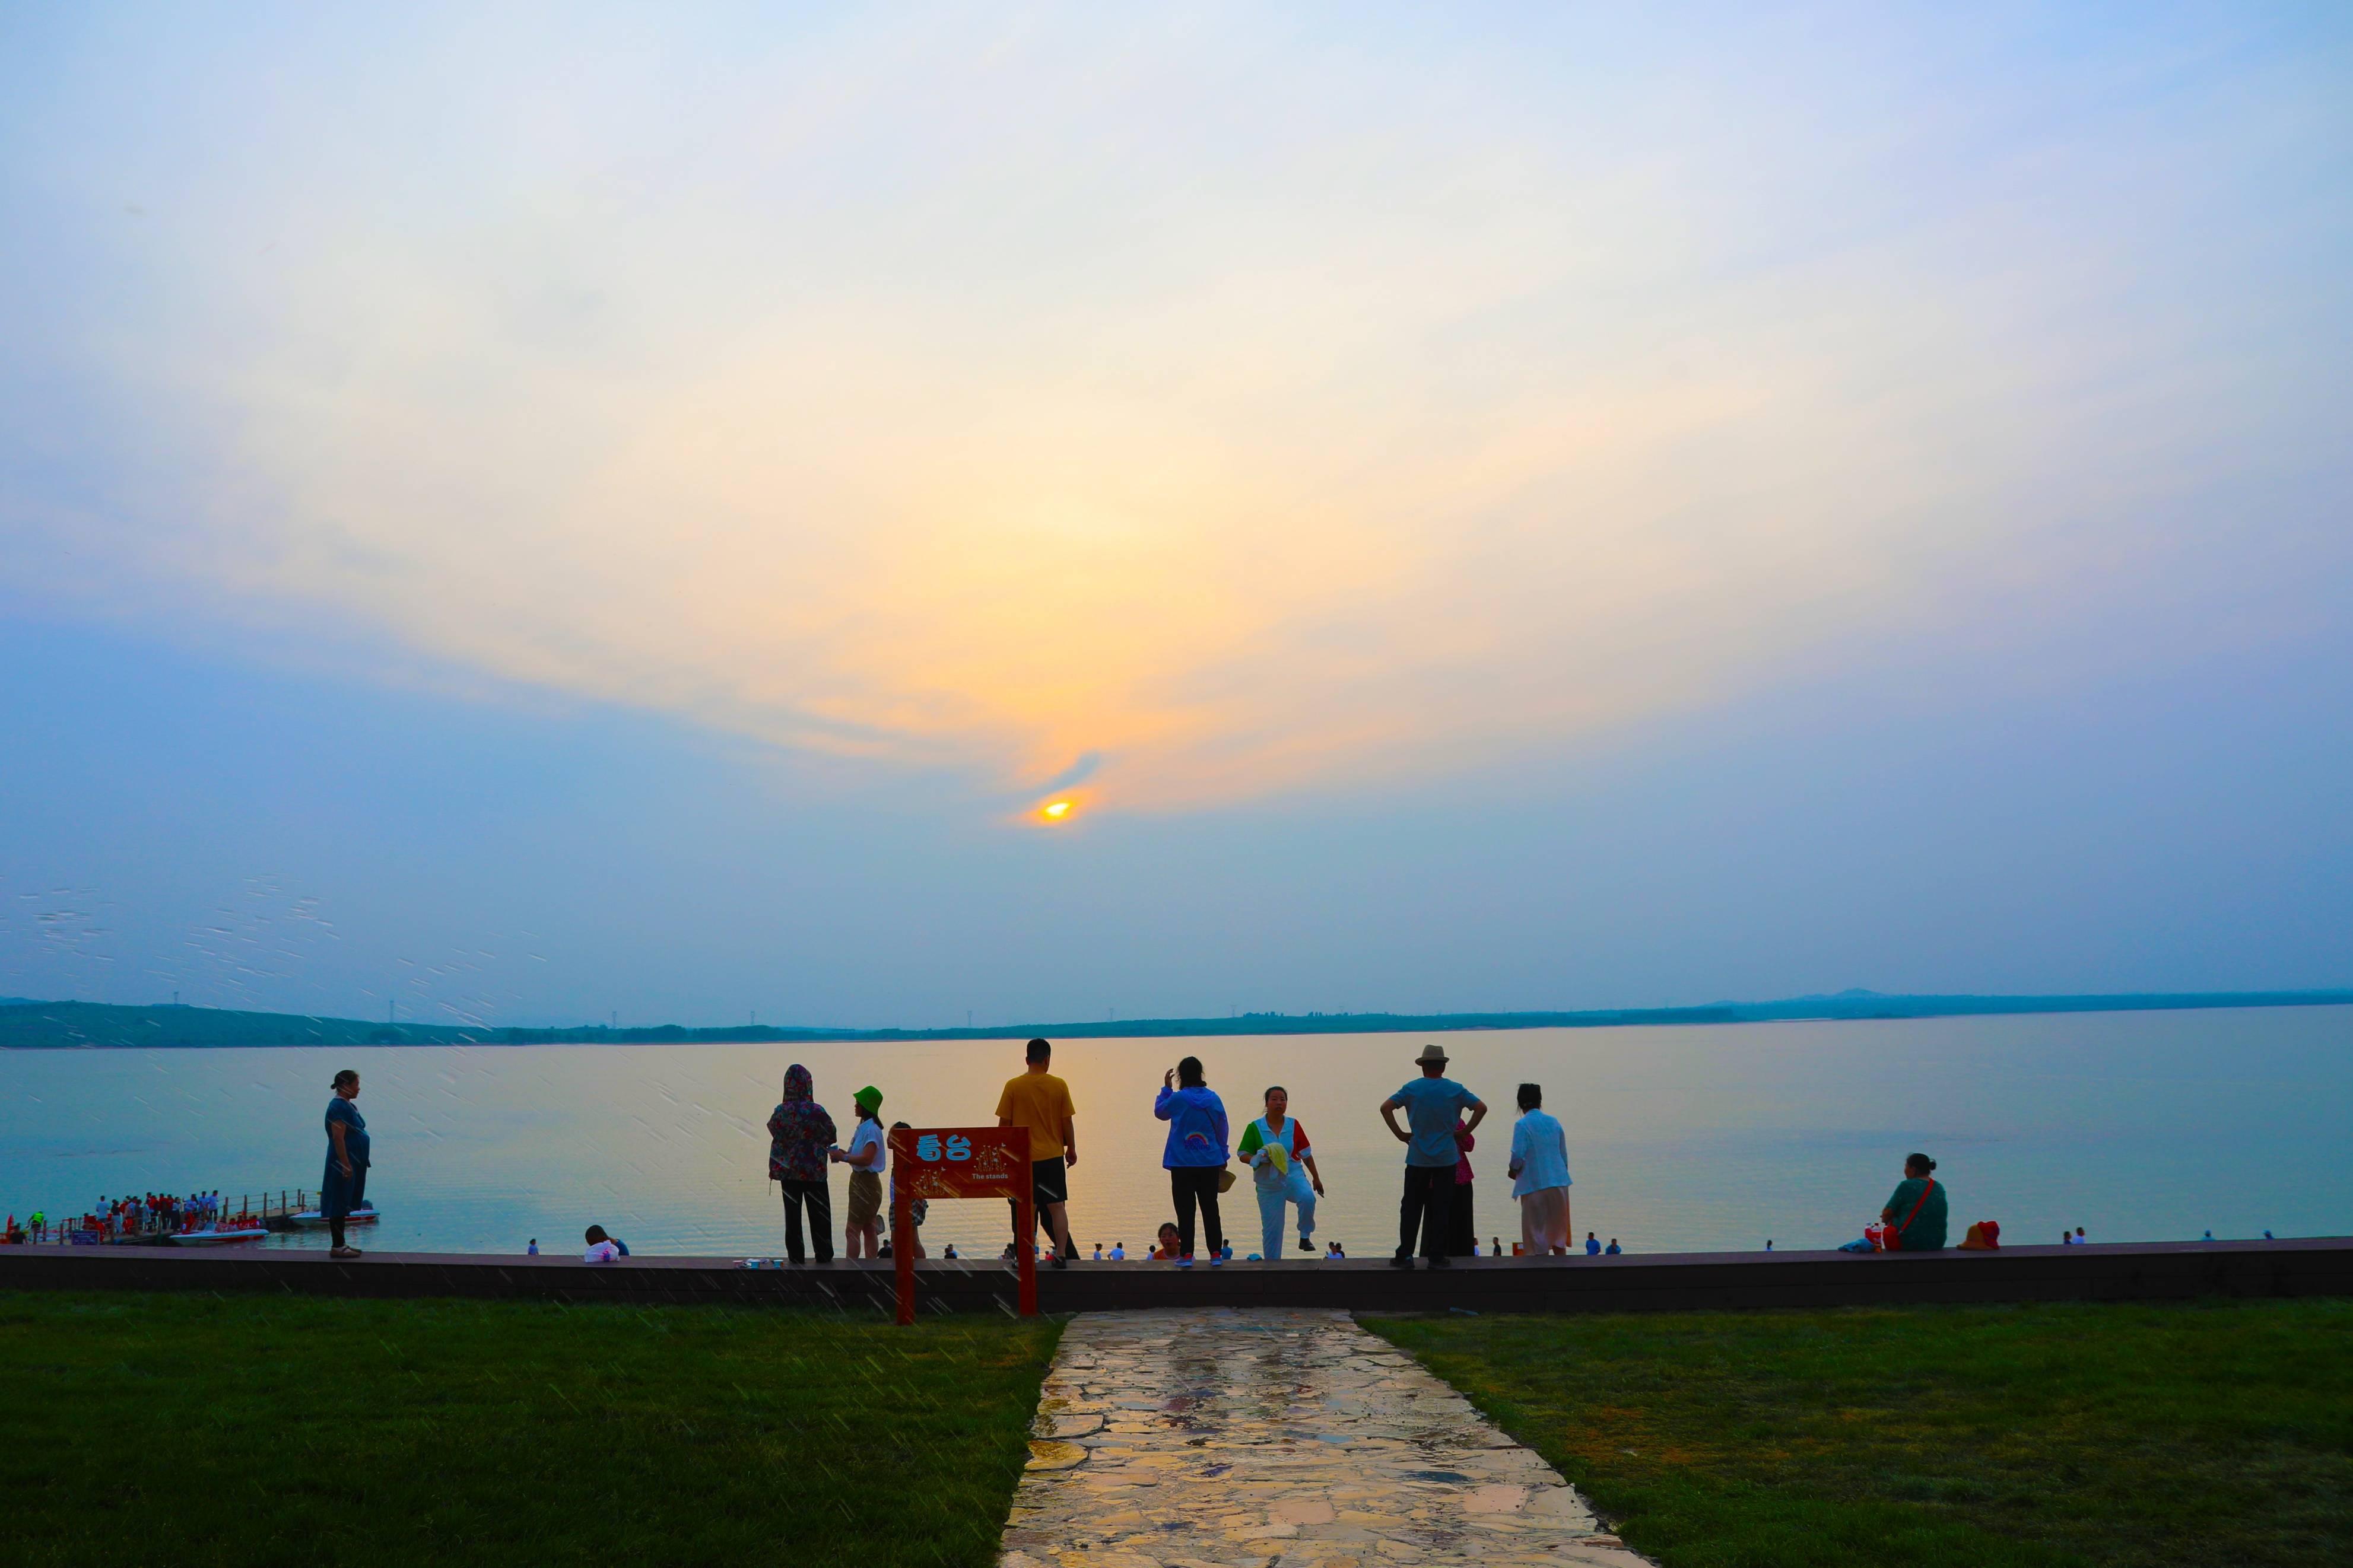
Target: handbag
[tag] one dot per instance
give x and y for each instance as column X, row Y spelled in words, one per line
column 1226, row 1180
column 1894, row 1234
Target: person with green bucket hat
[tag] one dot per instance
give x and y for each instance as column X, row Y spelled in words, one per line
column 867, row 1149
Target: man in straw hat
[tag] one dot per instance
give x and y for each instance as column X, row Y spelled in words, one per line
column 1433, row 1103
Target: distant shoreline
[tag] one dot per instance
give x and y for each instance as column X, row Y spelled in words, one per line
column 97, row 1025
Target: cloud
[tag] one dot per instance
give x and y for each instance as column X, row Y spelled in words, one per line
column 1247, row 410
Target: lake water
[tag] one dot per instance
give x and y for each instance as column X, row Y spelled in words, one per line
column 2135, row 1125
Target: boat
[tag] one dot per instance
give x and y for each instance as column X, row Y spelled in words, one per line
column 364, row 1215
column 213, row 1238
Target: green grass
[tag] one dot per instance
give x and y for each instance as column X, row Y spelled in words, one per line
column 184, row 1429
column 2212, row 1434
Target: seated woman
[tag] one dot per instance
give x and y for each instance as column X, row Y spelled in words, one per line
column 1914, row 1214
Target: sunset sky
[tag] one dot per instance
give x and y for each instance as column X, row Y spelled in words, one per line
column 602, row 510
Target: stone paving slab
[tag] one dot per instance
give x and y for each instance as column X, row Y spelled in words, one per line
column 1217, row 1438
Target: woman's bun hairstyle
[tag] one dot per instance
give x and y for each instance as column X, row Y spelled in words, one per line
column 1921, row 1161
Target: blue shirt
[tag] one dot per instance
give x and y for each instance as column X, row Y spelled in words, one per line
column 1196, row 1128
column 1432, row 1105
column 355, row 1138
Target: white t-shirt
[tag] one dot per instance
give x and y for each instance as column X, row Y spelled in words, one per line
column 871, row 1135
column 603, row 1252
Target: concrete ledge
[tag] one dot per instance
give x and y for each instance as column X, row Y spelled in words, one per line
column 2153, row 1271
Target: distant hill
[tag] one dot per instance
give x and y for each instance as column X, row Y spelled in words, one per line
column 69, row 1026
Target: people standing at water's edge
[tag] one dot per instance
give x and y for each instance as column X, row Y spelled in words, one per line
column 345, row 1187
column 800, row 1136
column 1462, row 1225
column 1539, row 1172
column 1195, row 1155
column 1041, row 1102
column 1433, row 1105
column 862, row 1234
column 1283, row 1171
column 1914, row 1214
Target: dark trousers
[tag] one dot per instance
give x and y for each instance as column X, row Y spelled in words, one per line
column 1462, row 1228
column 339, row 1195
column 1049, row 1183
column 819, row 1197
column 1429, row 1200
column 1197, row 1185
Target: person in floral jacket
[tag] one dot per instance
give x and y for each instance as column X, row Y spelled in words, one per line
column 799, row 1134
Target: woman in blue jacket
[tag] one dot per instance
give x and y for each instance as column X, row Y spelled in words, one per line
column 1196, row 1153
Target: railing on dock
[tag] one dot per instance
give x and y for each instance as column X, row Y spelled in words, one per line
column 276, row 1210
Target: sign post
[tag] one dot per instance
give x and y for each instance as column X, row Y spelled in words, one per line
column 937, row 1162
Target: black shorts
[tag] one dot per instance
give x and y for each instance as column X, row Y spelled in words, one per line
column 1049, row 1182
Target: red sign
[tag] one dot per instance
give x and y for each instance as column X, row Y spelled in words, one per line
column 961, row 1162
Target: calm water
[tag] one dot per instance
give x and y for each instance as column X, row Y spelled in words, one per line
column 2135, row 1125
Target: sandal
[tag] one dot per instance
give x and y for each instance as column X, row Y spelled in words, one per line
column 343, row 1252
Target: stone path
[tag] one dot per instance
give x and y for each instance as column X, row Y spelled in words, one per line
column 1218, row 1439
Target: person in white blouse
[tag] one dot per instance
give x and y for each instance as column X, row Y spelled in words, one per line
column 1539, row 1172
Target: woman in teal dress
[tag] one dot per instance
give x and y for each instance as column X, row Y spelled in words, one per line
column 1916, row 1210
column 345, row 1187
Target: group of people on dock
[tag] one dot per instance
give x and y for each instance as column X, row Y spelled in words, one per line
column 1439, row 1127
column 130, row 1218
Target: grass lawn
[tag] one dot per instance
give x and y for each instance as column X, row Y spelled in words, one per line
column 191, row 1430
column 2213, row 1434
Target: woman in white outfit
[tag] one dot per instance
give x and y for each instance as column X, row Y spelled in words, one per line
column 1282, row 1166
column 1539, row 1172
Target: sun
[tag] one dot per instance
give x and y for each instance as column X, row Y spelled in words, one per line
column 1055, row 811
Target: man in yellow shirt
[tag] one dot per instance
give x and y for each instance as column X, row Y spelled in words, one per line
column 1041, row 1102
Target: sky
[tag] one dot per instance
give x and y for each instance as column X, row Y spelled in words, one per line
column 590, row 512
